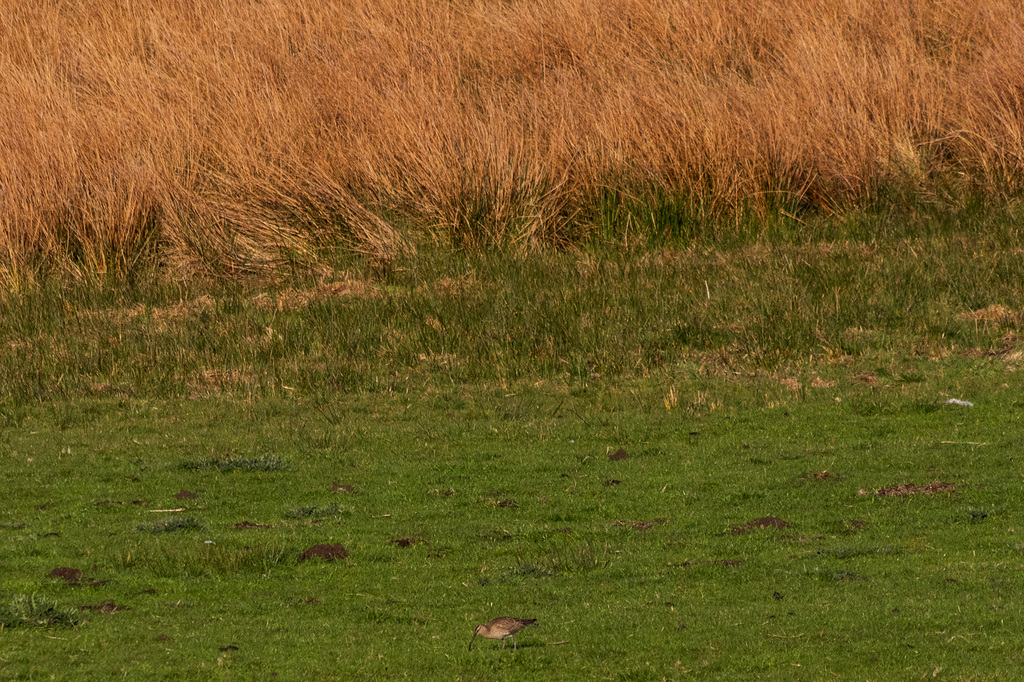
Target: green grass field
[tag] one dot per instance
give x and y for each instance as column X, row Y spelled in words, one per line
column 451, row 422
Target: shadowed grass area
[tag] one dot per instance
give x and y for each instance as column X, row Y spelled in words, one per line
column 929, row 283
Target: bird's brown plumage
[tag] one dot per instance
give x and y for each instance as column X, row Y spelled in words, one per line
column 501, row 628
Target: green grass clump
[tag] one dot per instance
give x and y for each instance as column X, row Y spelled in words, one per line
column 36, row 610
column 202, row 559
column 225, row 464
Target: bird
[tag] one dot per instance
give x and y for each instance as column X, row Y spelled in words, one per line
column 501, row 628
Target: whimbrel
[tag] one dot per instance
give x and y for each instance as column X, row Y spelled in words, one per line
column 501, row 628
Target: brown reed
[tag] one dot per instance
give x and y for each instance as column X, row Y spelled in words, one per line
column 234, row 137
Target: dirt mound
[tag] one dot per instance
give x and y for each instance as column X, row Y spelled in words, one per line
column 853, row 526
column 325, row 552
column 407, row 542
column 107, row 606
column 908, row 489
column 245, row 525
column 67, row 574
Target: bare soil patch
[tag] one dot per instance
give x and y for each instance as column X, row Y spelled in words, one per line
column 755, row 524
column 617, row 455
column 407, row 542
column 67, row 574
column 853, row 526
column 343, row 487
column 327, row 552
column 107, row 606
column 824, row 475
column 246, row 525
column 908, row 489
column 443, row 493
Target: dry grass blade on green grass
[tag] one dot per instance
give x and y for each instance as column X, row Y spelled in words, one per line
column 239, row 138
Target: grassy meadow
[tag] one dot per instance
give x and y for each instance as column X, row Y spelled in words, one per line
column 795, row 497
column 690, row 329
column 742, row 535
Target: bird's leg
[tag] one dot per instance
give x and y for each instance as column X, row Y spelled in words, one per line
column 514, row 644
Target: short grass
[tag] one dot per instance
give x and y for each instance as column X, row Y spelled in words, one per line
column 475, row 502
column 450, row 419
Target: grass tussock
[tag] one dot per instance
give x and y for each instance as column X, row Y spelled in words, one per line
column 36, row 610
column 174, row 560
column 230, row 463
column 242, row 137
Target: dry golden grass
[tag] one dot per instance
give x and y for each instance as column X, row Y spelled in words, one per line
column 226, row 138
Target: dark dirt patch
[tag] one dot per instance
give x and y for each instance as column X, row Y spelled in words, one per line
column 164, row 638
column 67, row 574
column 343, row 487
column 763, row 522
column 185, row 495
column 229, row 647
column 612, row 481
column 325, row 552
column 853, row 526
column 908, row 489
column 641, row 525
column 821, row 476
column 407, row 542
column 717, row 562
column 107, row 606
column 140, row 503
column 443, row 493
column 869, row 378
column 617, row 455
column 51, row 535
column 245, row 525
column 508, row 503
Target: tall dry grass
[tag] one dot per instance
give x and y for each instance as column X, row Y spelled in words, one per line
column 234, row 136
